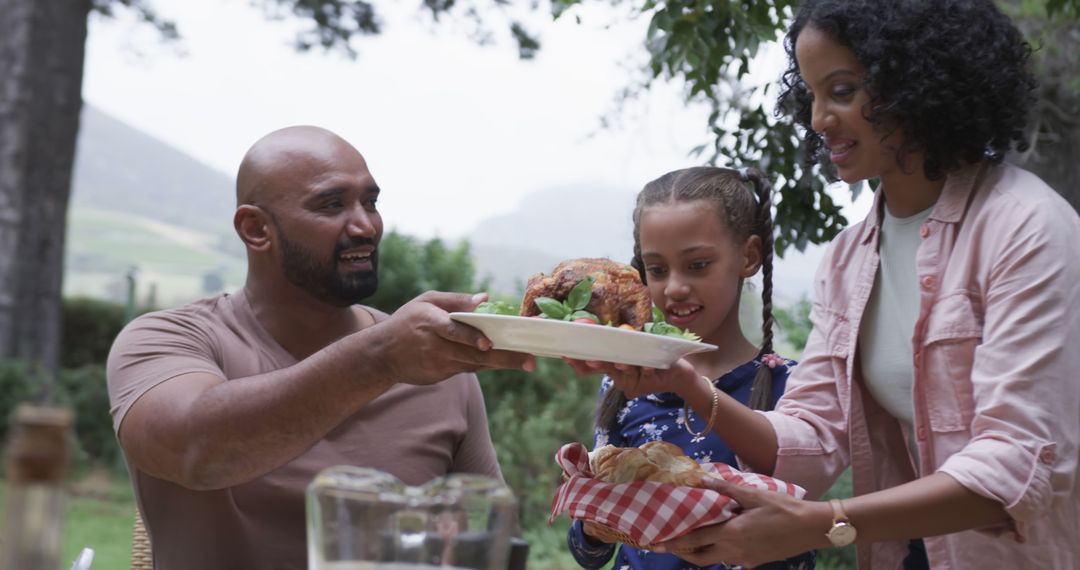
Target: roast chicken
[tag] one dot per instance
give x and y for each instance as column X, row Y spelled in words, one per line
column 618, row 296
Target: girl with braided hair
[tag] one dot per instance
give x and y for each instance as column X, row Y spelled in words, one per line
column 698, row 234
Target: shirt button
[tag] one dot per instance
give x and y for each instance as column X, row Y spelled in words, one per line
column 1047, row 456
column 924, row 231
column 921, row 432
column 928, row 281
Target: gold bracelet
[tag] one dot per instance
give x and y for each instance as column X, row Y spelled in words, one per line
column 712, row 412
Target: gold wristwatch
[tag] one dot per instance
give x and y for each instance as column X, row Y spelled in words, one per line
column 842, row 532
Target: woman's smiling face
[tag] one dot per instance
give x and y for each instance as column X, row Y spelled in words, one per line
column 834, row 77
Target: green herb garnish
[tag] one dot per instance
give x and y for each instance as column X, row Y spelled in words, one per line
column 498, row 308
column 660, row 326
column 574, row 305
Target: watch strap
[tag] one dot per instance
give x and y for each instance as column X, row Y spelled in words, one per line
column 842, row 533
column 839, row 516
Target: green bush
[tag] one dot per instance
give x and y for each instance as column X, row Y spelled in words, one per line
column 84, row 391
column 88, row 329
column 531, row 415
column 409, row 267
column 17, row 385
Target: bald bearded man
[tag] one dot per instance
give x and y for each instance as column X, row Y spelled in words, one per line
column 227, row 407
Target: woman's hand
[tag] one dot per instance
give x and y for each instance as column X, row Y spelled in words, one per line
column 770, row 526
column 636, row 381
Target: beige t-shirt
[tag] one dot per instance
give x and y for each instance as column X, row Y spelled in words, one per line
column 417, row 433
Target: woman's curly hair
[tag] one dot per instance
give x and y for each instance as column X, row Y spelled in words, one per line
column 951, row 75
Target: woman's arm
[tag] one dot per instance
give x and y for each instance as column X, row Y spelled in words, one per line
column 774, row 526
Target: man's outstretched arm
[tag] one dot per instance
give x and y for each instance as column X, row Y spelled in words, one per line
column 202, row 432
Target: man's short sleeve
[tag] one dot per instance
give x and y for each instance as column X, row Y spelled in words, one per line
column 152, row 349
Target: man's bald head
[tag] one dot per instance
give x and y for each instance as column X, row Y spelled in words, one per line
column 280, row 157
column 306, row 210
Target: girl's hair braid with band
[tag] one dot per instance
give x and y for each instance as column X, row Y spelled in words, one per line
column 745, row 211
column 761, row 391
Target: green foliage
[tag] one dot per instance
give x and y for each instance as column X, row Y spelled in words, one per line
column 334, row 24
column 659, row 325
column 1066, row 8
column 17, row 384
column 143, row 11
column 794, row 323
column 531, row 415
column 508, row 308
column 709, row 46
column 408, row 267
column 88, row 329
column 85, row 392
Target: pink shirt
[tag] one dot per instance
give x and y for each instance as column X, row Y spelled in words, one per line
column 996, row 355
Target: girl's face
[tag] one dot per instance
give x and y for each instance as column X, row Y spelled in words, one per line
column 834, row 77
column 695, row 267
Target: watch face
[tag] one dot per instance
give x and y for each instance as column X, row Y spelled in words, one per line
column 842, row 534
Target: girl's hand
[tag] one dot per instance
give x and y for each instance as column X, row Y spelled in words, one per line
column 770, row 526
column 635, row 381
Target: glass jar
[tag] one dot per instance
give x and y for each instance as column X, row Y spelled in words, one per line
column 360, row 518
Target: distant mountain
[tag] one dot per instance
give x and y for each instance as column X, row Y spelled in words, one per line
column 120, row 168
column 507, row 268
column 567, row 221
column 552, row 225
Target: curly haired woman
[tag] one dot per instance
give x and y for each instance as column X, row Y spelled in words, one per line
column 942, row 367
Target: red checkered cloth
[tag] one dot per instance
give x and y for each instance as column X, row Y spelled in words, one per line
column 649, row 511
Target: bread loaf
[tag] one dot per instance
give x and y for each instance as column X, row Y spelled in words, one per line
column 655, row 461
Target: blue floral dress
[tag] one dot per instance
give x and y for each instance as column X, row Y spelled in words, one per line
column 660, row 417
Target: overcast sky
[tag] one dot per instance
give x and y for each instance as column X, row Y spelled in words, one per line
column 454, row 132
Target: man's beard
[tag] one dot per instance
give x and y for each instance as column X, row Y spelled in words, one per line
column 321, row 279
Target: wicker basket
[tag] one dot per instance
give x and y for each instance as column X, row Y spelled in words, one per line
column 141, row 557
column 607, row 534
